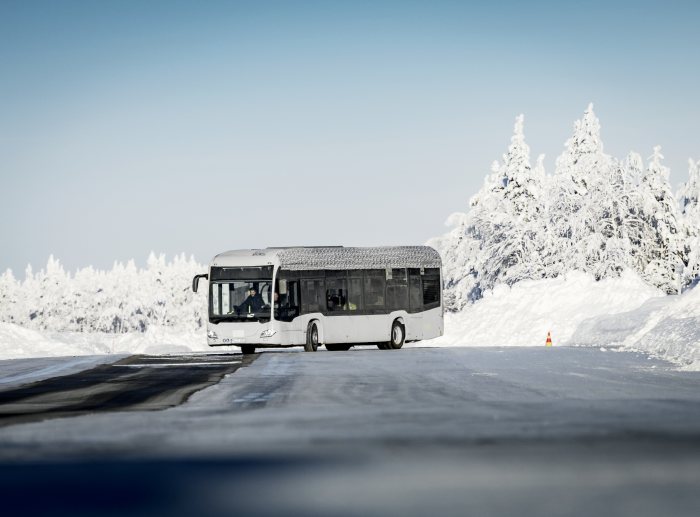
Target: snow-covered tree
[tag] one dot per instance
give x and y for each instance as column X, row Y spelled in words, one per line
column 662, row 246
column 122, row 299
column 9, row 295
column 596, row 214
column 689, row 193
column 501, row 238
column 689, row 205
column 585, row 214
column 508, row 222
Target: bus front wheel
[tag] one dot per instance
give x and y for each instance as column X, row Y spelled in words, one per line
column 311, row 344
column 398, row 335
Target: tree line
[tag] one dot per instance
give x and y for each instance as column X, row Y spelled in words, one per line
column 123, row 299
column 596, row 214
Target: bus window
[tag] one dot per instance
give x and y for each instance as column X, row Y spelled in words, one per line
column 431, row 288
column 415, row 293
column 355, row 294
column 336, row 294
column 287, row 304
column 374, row 286
column 215, row 305
column 397, row 290
column 311, row 295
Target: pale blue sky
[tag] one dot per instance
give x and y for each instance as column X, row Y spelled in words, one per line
column 127, row 127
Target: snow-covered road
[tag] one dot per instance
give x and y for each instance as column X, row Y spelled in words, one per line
column 566, row 431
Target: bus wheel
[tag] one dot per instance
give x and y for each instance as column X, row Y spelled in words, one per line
column 311, row 337
column 398, row 334
column 247, row 349
column 337, row 348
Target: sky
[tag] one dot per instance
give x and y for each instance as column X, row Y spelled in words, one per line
column 198, row 127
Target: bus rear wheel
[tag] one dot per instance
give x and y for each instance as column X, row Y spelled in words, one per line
column 247, row 349
column 398, row 335
column 311, row 344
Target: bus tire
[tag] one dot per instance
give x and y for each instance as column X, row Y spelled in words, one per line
column 337, row 347
column 247, row 349
column 311, row 344
column 397, row 336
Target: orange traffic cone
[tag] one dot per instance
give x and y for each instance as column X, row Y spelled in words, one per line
column 549, row 339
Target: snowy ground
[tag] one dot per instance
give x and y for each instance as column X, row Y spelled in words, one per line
column 624, row 312
column 527, row 431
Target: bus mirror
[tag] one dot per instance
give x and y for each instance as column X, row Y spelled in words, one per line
column 195, row 281
column 283, row 287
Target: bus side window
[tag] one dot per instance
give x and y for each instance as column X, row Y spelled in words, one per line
column 374, row 287
column 431, row 288
column 293, row 294
column 397, row 290
column 312, row 291
column 355, row 294
column 415, row 292
column 336, row 294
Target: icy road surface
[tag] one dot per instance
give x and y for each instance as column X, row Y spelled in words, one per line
column 526, row 431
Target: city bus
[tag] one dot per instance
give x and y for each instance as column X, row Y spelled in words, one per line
column 332, row 296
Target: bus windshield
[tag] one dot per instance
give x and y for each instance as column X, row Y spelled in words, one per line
column 241, row 300
column 241, row 294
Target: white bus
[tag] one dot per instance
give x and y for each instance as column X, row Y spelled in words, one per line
column 333, row 296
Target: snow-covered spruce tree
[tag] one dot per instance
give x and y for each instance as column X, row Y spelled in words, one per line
column 458, row 273
column 634, row 224
column 662, row 245
column 502, row 236
column 689, row 206
column 508, row 220
column 588, row 211
column 9, row 294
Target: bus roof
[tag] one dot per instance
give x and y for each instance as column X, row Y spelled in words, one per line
column 332, row 257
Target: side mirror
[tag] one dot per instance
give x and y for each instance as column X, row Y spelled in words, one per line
column 195, row 281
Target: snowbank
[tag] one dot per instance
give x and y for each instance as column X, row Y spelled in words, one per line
column 667, row 327
column 522, row 315
column 18, row 342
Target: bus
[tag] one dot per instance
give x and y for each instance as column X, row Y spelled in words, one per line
column 332, row 296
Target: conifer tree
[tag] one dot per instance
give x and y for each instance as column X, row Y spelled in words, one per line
column 689, row 206
column 662, row 245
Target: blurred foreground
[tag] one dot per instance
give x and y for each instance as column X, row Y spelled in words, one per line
column 562, row 431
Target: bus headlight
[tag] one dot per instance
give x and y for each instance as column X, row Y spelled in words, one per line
column 267, row 333
column 212, row 335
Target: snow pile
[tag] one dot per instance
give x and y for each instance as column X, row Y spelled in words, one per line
column 18, row 342
column 667, row 327
column 522, row 314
